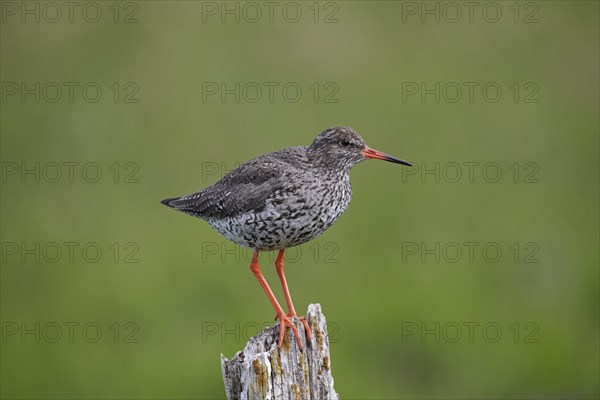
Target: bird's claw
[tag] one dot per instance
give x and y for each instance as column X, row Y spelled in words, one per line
column 306, row 328
column 286, row 322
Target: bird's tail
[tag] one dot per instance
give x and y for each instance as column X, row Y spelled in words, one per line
column 169, row 202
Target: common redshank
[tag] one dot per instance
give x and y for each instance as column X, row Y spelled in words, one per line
column 283, row 199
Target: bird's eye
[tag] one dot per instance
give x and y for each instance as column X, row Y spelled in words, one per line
column 345, row 143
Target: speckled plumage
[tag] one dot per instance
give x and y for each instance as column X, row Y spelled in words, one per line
column 285, row 198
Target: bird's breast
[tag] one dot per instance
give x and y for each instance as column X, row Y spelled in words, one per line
column 329, row 199
column 293, row 215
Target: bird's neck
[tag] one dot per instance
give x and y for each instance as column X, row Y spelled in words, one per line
column 328, row 163
column 333, row 173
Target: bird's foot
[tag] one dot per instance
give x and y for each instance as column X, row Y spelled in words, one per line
column 285, row 322
column 306, row 327
column 289, row 323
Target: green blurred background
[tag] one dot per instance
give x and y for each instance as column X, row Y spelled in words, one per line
column 191, row 296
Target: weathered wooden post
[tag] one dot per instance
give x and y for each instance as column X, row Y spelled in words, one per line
column 265, row 371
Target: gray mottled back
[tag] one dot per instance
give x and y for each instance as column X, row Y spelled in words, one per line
column 247, row 188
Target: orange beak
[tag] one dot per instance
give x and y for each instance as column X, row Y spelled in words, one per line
column 371, row 153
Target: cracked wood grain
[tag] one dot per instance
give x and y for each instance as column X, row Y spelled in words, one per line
column 264, row 371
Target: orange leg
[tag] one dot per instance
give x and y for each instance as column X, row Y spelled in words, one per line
column 286, row 291
column 284, row 320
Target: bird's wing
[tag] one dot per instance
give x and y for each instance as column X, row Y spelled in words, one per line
column 244, row 189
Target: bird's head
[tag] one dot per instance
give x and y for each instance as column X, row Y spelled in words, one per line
column 343, row 147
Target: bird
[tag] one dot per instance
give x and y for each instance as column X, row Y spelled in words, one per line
column 283, row 199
